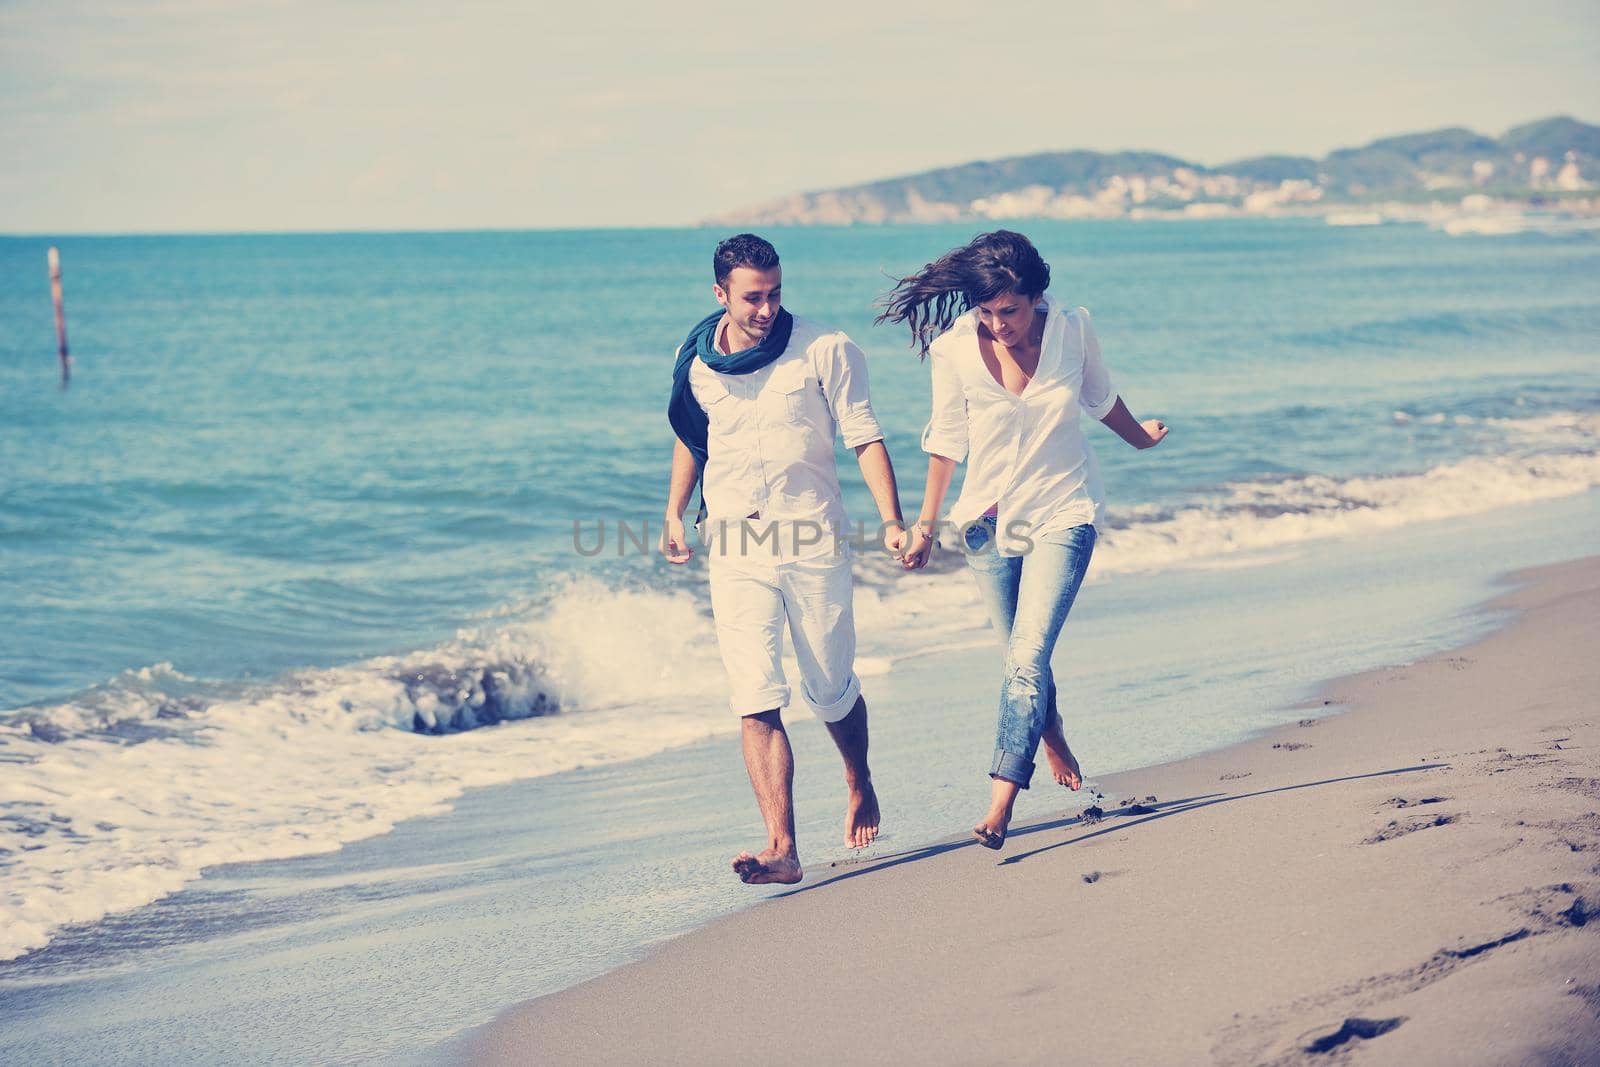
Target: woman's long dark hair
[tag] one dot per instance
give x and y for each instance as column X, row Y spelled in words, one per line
column 980, row 270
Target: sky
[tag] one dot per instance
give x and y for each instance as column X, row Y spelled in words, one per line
column 271, row 115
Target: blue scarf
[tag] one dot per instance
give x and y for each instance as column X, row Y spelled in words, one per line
column 687, row 417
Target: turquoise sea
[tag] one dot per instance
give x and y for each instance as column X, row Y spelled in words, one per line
column 307, row 549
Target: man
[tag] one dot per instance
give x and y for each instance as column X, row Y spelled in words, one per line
column 757, row 397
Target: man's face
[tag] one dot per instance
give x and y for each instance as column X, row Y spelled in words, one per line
column 752, row 299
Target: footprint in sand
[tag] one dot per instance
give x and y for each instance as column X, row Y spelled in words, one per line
column 1353, row 1029
column 1402, row 802
column 1399, row 829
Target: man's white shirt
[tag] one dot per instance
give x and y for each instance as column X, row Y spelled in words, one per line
column 770, row 440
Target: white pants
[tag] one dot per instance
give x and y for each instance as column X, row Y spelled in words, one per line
column 750, row 600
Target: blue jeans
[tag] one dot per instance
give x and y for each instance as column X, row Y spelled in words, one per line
column 1028, row 598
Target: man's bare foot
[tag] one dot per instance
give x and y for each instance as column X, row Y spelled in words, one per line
column 1059, row 756
column 771, row 866
column 861, row 817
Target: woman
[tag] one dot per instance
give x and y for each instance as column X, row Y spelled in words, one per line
column 1012, row 367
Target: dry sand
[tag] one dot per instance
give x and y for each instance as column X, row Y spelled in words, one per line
column 1412, row 881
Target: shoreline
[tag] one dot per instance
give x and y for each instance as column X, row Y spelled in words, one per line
column 1425, row 855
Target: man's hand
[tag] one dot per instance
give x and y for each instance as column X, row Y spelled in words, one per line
column 1156, row 429
column 675, row 541
column 894, row 539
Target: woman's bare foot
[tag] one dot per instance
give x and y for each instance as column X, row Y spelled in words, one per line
column 770, row 866
column 991, row 830
column 861, row 817
column 1059, row 756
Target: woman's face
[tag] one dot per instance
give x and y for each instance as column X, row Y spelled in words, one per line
column 1008, row 317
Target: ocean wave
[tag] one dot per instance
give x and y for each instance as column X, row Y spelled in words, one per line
column 124, row 794
column 1452, row 327
column 1275, row 514
column 585, row 644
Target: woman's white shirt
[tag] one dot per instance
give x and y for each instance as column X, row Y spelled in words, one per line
column 1027, row 454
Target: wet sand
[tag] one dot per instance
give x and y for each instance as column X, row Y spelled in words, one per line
column 1415, row 879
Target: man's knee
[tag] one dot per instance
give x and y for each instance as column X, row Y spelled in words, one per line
column 835, row 710
column 854, row 719
column 764, row 720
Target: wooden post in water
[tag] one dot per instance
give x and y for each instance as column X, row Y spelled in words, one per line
column 54, row 258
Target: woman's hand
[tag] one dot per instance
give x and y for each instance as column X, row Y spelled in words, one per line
column 1120, row 421
column 916, row 554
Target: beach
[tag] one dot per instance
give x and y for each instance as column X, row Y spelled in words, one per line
column 345, row 705
column 1405, row 874
column 361, row 705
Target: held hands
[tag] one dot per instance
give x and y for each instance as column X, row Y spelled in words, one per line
column 1156, row 429
column 675, row 541
column 917, row 552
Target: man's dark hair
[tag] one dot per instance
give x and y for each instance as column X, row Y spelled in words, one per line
column 742, row 250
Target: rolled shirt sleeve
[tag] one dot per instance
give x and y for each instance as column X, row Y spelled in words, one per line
column 946, row 432
column 843, row 371
column 1097, row 395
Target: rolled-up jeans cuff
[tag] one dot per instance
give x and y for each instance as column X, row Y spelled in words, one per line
column 1011, row 767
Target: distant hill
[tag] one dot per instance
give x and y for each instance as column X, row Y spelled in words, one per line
column 1555, row 157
